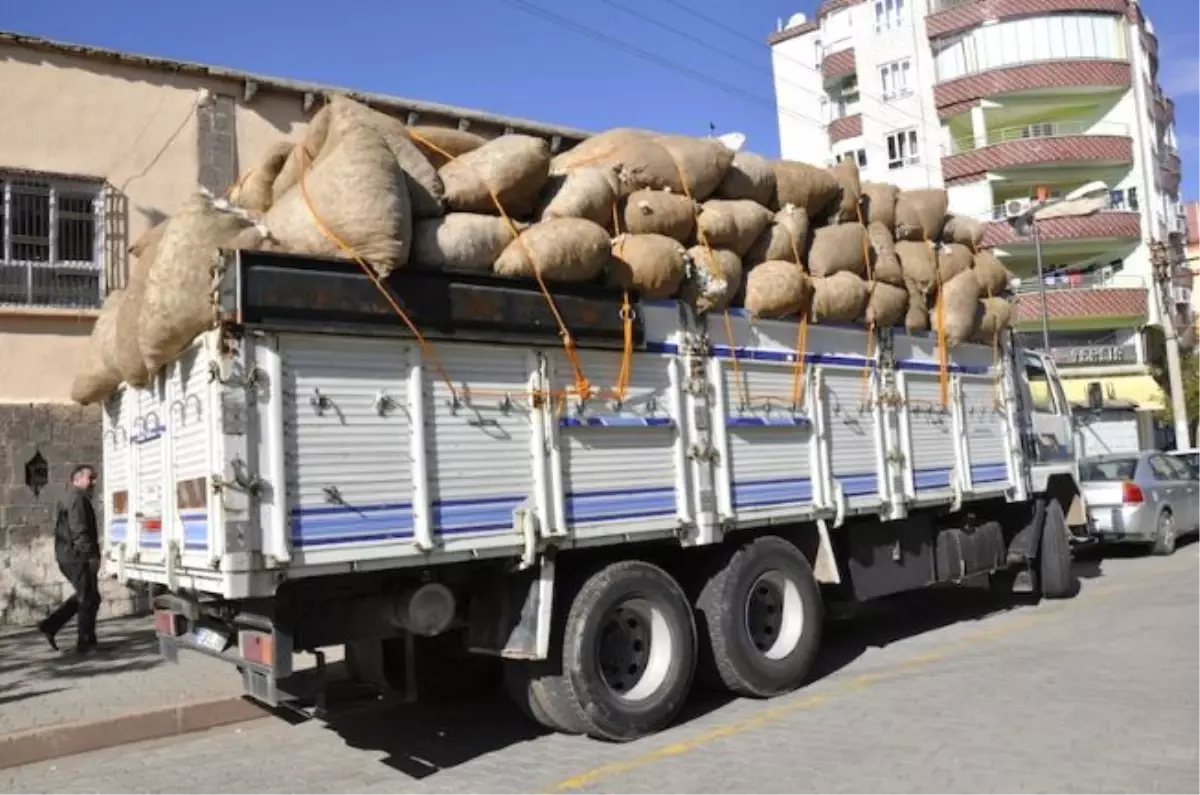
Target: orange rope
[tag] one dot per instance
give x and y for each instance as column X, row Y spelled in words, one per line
column 739, row 379
column 626, row 321
column 426, row 348
column 940, row 312
column 864, row 390
column 801, row 352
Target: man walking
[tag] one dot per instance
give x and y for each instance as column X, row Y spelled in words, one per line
column 77, row 548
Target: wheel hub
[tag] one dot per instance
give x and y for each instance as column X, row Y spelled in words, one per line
column 774, row 616
column 634, row 649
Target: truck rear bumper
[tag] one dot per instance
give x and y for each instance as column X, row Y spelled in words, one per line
column 262, row 656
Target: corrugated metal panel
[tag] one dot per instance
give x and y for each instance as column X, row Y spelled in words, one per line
column 985, row 427
column 147, row 436
column 851, row 423
column 116, row 474
column 931, row 432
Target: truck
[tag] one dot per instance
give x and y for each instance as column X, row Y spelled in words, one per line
column 438, row 495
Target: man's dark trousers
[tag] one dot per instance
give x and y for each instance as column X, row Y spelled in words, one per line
column 85, row 601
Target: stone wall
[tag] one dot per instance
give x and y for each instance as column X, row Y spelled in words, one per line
column 30, row 582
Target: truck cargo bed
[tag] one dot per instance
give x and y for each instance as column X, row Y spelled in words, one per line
column 311, row 434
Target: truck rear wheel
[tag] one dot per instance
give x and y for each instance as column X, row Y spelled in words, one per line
column 1054, row 555
column 628, row 655
column 518, row 682
column 762, row 612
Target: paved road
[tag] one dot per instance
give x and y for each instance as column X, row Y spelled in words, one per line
column 934, row 692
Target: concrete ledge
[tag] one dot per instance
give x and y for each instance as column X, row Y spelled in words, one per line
column 52, row 742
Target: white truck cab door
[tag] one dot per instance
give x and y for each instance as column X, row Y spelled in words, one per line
column 1049, row 425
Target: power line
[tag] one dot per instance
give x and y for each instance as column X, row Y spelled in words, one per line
column 758, row 43
column 612, row 41
column 700, row 77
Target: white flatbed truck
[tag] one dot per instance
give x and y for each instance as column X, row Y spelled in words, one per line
column 309, row 474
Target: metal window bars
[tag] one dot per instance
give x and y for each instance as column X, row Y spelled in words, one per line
column 52, row 241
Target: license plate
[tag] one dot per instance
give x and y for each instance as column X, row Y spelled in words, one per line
column 211, row 639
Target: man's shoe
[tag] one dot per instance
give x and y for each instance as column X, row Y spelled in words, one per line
column 49, row 636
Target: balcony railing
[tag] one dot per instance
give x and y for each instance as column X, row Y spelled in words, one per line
column 946, row 5
column 1045, row 129
column 1080, row 281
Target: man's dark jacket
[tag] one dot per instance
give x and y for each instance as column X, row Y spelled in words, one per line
column 75, row 534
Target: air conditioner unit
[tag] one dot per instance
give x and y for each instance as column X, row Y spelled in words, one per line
column 1014, row 208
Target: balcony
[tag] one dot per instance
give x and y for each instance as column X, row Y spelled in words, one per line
column 952, row 16
column 1106, row 225
column 845, row 127
column 838, row 64
column 960, row 94
column 1084, row 301
column 1044, row 143
column 1170, row 170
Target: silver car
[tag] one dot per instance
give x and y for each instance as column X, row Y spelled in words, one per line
column 1146, row 498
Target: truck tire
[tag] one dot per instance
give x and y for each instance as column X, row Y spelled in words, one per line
column 762, row 614
column 1055, row 577
column 518, row 683
column 627, row 652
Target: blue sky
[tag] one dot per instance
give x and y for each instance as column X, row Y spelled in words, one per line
column 490, row 54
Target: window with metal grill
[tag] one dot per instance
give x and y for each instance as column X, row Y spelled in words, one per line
column 51, row 241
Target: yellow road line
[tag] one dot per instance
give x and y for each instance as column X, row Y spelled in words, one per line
column 787, row 707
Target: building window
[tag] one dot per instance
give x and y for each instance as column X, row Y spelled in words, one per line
column 50, row 241
column 858, row 156
column 1132, row 197
column 889, row 14
column 894, row 79
column 903, row 149
column 818, row 54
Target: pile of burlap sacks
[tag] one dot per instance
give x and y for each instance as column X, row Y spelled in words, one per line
column 667, row 216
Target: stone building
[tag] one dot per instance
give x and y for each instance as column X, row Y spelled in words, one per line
column 97, row 147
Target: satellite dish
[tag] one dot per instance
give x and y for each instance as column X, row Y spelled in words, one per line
column 734, row 140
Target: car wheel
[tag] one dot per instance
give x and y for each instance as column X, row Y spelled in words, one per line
column 1164, row 536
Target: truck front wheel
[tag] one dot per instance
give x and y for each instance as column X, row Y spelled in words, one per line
column 762, row 615
column 1054, row 555
column 627, row 654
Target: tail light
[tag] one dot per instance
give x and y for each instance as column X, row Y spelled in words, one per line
column 1131, row 494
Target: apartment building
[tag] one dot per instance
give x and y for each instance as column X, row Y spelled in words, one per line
column 96, row 147
column 1003, row 102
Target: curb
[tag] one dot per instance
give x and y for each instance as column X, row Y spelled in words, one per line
column 53, row 742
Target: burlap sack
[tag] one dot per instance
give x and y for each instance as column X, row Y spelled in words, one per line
column 886, row 267
column 127, row 347
column 425, row 189
column 254, row 190
column 703, row 161
column 178, row 303
column 959, row 308
column 714, row 280
column 515, row 167
column 652, row 265
column 953, row 259
column 840, row 298
column 917, row 317
column 750, row 176
column 802, row 185
column 964, row 231
column 919, row 264
column 97, row 377
column 303, row 153
column 846, row 174
column 148, row 238
column 603, row 149
column 993, row 276
column 995, row 316
column 839, row 248
column 785, row 239
column 449, row 140
column 920, row 214
column 732, row 223
column 887, row 305
column 585, row 192
column 659, row 212
column 357, row 189
column 776, row 289
column 879, row 203
column 562, row 250
column 461, row 241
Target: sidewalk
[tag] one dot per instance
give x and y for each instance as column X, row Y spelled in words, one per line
column 56, row 704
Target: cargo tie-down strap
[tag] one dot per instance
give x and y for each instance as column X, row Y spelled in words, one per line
column 582, row 389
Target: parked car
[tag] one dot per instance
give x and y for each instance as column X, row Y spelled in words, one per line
column 1144, row 498
column 1190, row 458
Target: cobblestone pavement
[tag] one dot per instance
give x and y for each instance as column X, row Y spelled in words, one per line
column 40, row 687
column 940, row 692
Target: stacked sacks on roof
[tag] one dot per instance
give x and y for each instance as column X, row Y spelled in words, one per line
column 666, row 216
